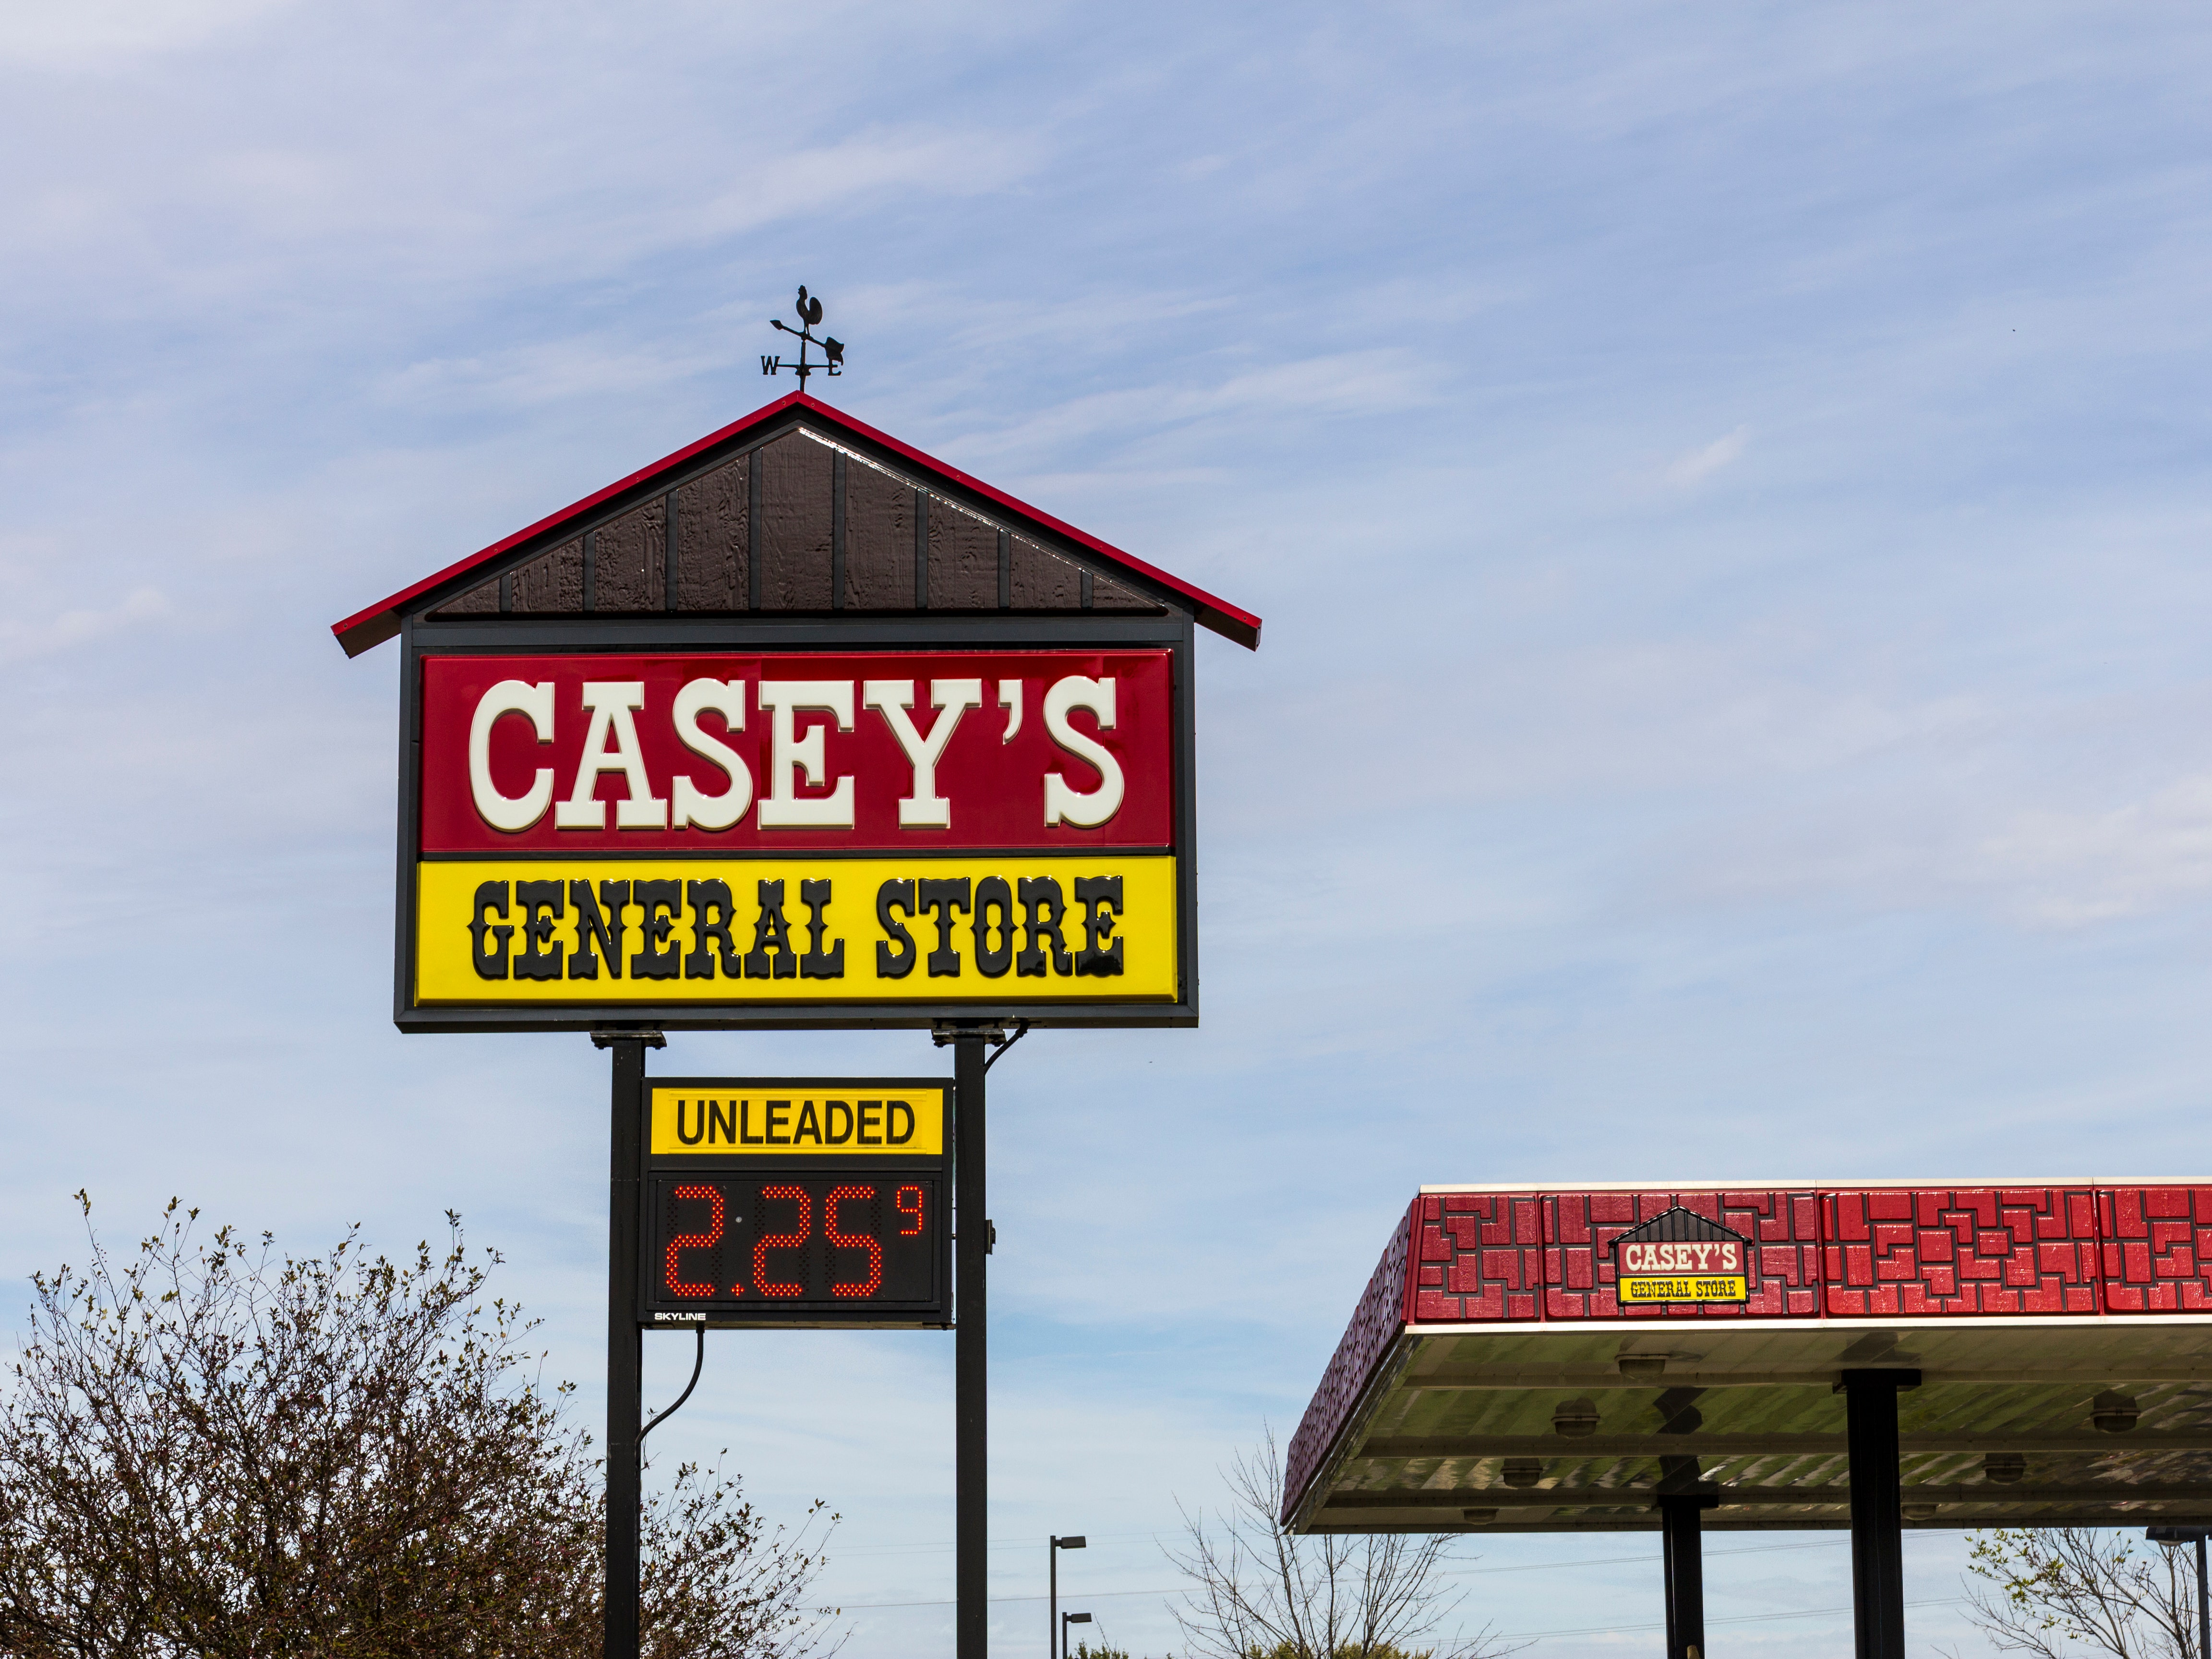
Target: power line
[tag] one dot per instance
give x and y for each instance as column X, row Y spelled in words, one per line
column 1087, row 1595
column 870, row 1550
column 944, row 1549
column 860, row 1550
column 1624, row 1560
column 1621, row 1560
column 1530, row 1566
column 1733, row 1618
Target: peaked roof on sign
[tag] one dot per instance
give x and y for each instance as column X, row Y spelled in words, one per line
column 1678, row 1224
column 368, row 627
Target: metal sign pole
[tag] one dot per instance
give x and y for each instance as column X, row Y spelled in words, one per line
column 625, row 1342
column 971, row 1407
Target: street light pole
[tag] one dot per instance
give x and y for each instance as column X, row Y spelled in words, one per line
column 1065, row 1619
column 1056, row 1631
column 2171, row 1536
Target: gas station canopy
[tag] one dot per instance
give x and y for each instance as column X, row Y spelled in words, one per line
column 1529, row 1359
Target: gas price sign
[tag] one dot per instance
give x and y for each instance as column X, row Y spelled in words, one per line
column 777, row 1201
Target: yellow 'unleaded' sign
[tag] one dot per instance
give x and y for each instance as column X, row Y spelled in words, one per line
column 803, row 1119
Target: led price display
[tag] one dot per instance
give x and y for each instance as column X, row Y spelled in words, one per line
column 797, row 1202
column 762, row 1247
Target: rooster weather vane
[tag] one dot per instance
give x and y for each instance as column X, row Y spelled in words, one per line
column 809, row 314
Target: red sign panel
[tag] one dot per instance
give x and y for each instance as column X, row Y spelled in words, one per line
column 708, row 753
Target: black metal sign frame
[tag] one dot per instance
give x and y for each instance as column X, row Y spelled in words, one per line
column 747, row 1113
column 422, row 637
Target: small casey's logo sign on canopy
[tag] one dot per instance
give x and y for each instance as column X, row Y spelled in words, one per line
column 1680, row 1257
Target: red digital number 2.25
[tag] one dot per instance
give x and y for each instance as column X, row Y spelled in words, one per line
column 907, row 1199
column 852, row 1242
column 676, row 1283
column 791, row 1240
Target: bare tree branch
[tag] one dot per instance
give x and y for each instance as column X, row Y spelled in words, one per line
column 2044, row 1591
column 1261, row 1592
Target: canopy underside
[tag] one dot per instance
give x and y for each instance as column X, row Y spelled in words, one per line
column 1461, row 1429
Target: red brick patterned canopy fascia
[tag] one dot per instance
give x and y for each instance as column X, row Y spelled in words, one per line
column 1500, row 1258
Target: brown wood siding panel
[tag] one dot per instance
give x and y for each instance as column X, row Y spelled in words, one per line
column 481, row 600
column 878, row 540
column 552, row 582
column 1041, row 582
column 712, row 525
column 626, row 563
column 964, row 560
column 1111, row 596
column 796, row 473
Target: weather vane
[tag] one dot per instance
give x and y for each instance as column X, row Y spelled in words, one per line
column 810, row 313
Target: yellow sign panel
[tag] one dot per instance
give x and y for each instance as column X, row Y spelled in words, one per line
column 1001, row 930
column 1725, row 1287
column 802, row 1118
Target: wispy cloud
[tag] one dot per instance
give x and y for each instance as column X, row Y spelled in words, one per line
column 1337, row 385
column 2071, row 869
column 1693, row 468
column 543, row 372
column 75, row 33
column 22, row 641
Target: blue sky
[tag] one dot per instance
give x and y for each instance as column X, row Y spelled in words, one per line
column 1727, row 490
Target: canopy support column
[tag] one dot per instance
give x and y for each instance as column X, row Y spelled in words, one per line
column 1682, row 1533
column 1877, row 1517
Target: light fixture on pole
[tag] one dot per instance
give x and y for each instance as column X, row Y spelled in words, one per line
column 1056, row 1631
column 1065, row 1619
column 2171, row 1536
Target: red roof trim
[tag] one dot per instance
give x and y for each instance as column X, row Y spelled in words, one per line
column 380, row 621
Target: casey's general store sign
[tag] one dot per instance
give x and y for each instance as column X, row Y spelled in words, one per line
column 796, row 727
column 1680, row 1257
column 724, row 827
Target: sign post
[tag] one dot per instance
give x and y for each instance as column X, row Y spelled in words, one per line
column 625, row 1342
column 797, row 728
column 971, row 1526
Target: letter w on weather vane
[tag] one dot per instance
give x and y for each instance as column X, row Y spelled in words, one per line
column 833, row 351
